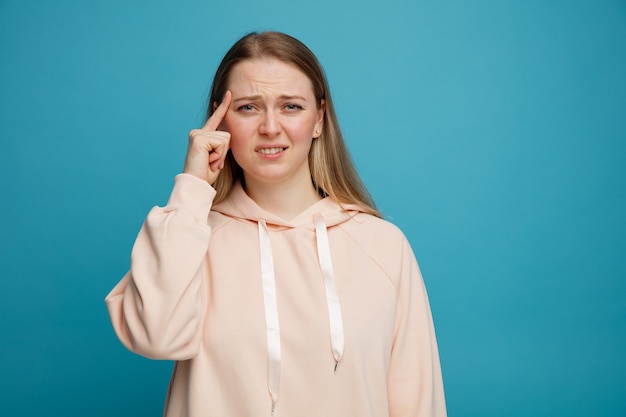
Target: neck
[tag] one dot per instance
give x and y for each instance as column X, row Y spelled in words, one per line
column 285, row 200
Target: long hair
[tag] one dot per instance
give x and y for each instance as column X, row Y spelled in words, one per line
column 332, row 171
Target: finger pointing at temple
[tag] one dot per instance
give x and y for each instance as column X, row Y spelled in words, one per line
column 207, row 148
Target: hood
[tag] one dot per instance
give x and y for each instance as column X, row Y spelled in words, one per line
column 321, row 215
column 239, row 205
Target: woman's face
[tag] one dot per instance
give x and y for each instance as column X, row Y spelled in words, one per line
column 273, row 119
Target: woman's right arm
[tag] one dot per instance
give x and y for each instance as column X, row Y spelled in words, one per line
column 156, row 309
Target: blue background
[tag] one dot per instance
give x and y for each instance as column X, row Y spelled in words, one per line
column 492, row 132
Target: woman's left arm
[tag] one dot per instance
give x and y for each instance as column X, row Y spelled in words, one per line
column 414, row 381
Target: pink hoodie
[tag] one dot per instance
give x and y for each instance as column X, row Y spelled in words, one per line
column 325, row 315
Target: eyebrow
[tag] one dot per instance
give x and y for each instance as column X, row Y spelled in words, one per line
column 257, row 97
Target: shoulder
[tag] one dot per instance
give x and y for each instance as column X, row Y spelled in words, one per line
column 380, row 241
column 217, row 220
column 366, row 228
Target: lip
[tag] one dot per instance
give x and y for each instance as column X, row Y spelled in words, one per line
column 270, row 151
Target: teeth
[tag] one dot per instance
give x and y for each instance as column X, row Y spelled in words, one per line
column 270, row 151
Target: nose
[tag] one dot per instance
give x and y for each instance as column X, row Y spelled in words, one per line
column 270, row 125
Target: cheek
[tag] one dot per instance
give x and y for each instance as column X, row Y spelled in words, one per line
column 239, row 130
column 237, row 143
column 300, row 130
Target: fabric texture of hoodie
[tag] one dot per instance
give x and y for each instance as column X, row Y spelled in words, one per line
column 324, row 315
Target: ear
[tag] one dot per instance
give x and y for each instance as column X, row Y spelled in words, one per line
column 319, row 123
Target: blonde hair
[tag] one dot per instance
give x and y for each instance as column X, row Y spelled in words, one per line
column 332, row 170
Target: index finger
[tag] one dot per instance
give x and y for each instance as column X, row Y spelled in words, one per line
column 218, row 115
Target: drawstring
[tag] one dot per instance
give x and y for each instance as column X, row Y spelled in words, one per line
column 332, row 298
column 271, row 309
column 271, row 313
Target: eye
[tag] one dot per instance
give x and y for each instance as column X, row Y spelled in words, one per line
column 293, row 107
column 246, row 108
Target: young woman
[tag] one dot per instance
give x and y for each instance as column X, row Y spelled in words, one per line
column 269, row 276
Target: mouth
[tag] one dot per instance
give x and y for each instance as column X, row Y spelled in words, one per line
column 271, row 151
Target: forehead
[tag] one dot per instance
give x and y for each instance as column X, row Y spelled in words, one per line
column 255, row 74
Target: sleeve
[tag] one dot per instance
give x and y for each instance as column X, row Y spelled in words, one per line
column 156, row 308
column 414, row 381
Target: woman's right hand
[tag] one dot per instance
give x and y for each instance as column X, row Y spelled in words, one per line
column 208, row 146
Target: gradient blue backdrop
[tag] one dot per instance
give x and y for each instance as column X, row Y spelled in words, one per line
column 492, row 132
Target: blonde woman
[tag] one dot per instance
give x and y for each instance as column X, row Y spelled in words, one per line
column 269, row 276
